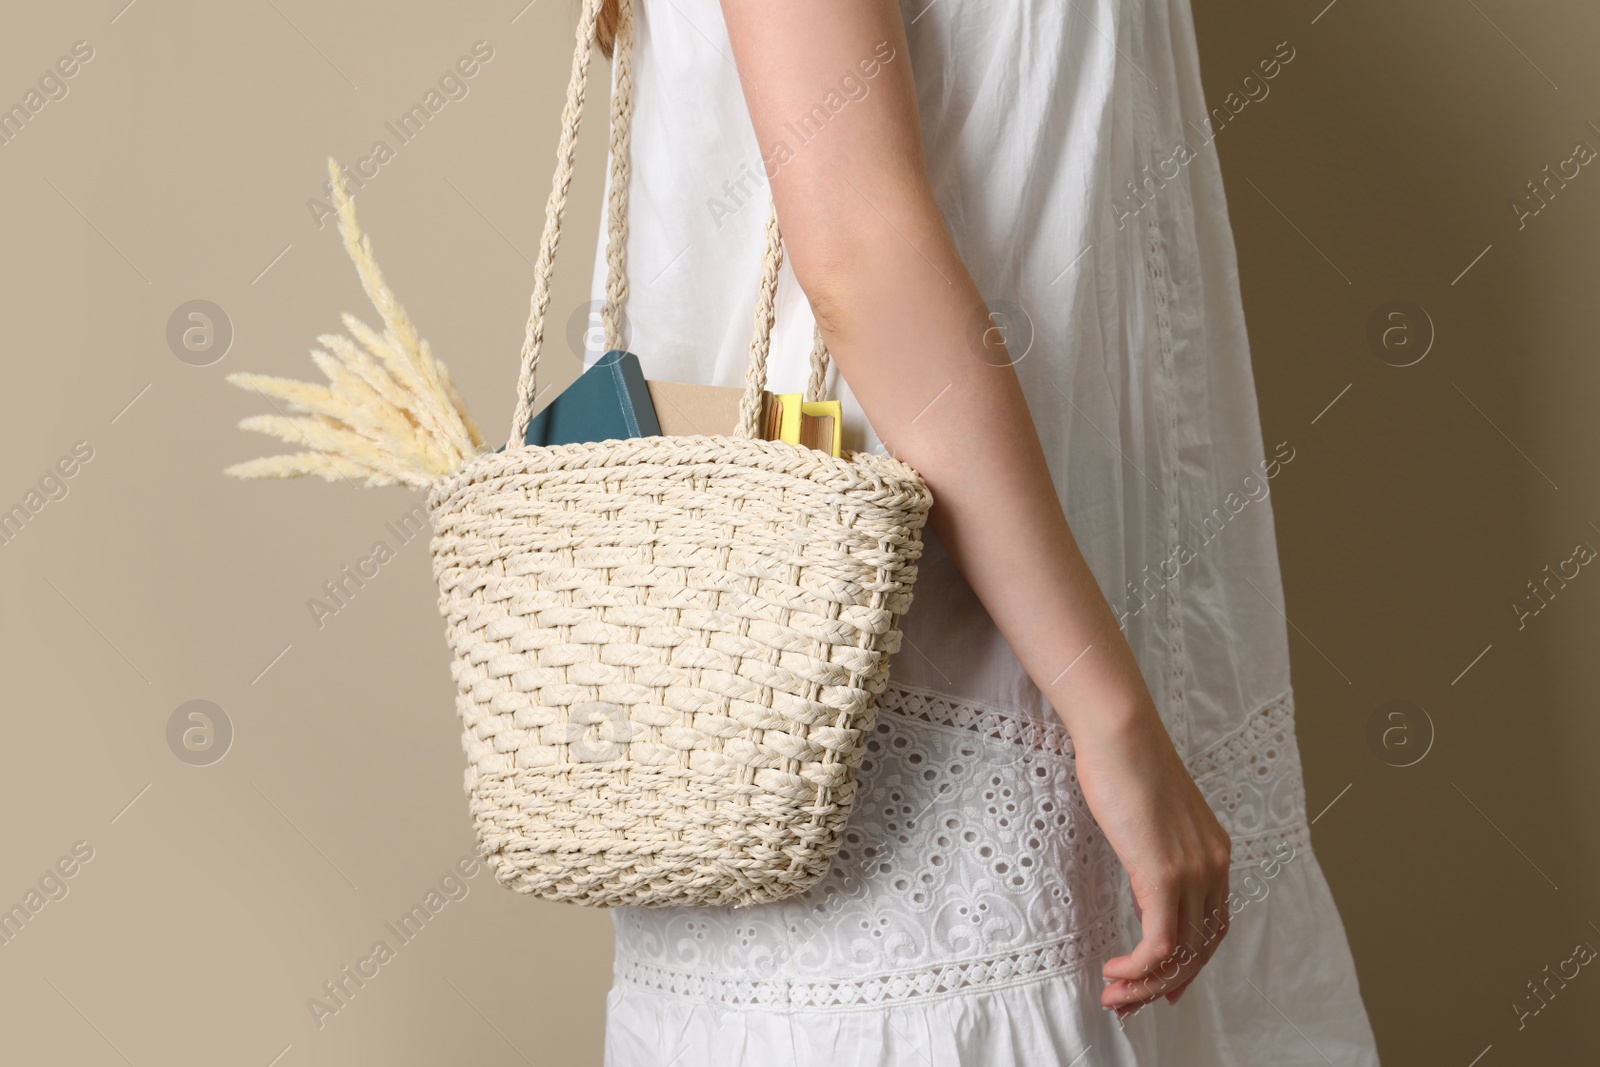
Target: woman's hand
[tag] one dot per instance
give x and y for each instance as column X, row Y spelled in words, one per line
column 1176, row 853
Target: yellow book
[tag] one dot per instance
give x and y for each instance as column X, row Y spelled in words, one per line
column 797, row 427
column 709, row 409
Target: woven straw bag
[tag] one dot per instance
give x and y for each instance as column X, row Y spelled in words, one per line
column 668, row 649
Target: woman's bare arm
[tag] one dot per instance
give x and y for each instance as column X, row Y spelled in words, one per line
column 897, row 307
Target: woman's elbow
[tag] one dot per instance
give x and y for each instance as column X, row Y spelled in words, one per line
column 852, row 261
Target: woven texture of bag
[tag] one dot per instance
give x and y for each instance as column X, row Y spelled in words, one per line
column 667, row 649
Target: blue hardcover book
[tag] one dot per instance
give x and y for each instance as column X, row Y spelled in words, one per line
column 609, row 401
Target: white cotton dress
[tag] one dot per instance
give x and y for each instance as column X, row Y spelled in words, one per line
column 967, row 914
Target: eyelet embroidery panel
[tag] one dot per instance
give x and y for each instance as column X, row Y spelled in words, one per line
column 974, row 863
column 971, row 860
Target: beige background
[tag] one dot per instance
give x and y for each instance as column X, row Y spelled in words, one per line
column 219, row 898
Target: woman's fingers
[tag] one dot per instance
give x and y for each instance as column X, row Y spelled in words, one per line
column 1174, row 971
column 1214, row 921
column 1202, row 939
column 1158, row 915
column 1183, row 923
column 1207, row 929
column 1158, row 962
column 1173, row 997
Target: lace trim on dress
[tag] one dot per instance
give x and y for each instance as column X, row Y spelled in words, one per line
column 1281, row 845
column 942, row 709
column 1274, row 716
column 923, row 983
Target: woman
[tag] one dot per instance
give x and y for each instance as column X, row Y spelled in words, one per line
column 1006, row 222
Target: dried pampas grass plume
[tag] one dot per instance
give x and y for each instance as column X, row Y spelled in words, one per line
column 389, row 413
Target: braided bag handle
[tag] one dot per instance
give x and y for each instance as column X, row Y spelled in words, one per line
column 617, row 233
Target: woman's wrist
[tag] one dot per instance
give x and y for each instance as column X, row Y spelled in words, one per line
column 1104, row 703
